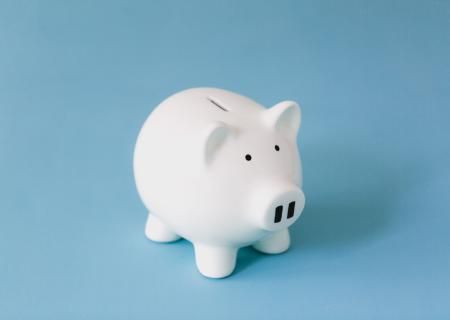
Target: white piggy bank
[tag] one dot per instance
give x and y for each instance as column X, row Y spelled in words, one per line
column 221, row 171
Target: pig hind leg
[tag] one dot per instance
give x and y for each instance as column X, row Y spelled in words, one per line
column 157, row 230
column 274, row 243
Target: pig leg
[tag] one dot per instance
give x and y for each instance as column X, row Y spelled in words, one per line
column 276, row 242
column 157, row 230
column 213, row 261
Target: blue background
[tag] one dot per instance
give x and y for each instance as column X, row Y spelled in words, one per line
column 77, row 80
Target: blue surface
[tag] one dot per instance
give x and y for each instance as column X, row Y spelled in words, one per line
column 77, row 79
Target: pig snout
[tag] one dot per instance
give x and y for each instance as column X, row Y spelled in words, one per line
column 278, row 205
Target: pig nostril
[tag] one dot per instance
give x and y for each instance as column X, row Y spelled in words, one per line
column 278, row 214
column 291, row 209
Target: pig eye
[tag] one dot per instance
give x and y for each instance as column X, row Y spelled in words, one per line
column 277, row 147
column 248, row 157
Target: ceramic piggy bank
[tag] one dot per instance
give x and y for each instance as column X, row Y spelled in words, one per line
column 222, row 171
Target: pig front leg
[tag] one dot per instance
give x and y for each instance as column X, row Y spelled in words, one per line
column 214, row 261
column 276, row 242
column 157, row 230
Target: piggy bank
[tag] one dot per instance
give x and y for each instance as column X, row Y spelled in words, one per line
column 222, row 171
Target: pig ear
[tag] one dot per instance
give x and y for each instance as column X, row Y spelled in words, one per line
column 284, row 117
column 214, row 136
